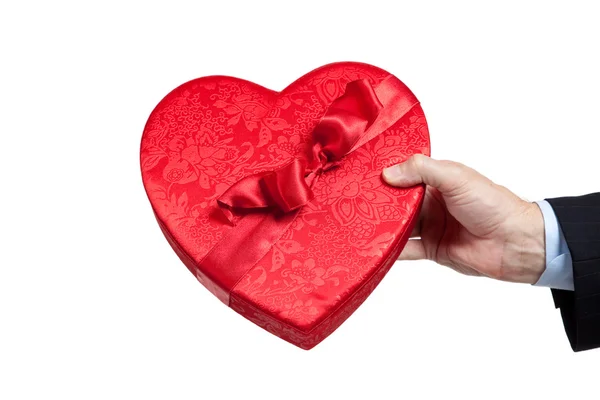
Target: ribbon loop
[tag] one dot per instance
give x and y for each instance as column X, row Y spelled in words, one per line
column 279, row 182
column 347, row 119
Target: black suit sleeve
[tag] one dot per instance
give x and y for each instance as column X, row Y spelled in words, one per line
column 579, row 219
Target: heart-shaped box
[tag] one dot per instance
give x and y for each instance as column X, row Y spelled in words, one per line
column 293, row 246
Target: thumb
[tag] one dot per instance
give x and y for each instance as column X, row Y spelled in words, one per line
column 442, row 175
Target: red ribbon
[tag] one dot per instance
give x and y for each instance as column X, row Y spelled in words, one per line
column 289, row 187
column 351, row 120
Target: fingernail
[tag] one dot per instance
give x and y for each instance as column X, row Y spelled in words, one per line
column 393, row 172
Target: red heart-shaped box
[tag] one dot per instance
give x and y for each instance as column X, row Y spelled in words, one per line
column 301, row 274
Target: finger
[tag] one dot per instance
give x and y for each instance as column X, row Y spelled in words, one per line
column 442, row 175
column 414, row 250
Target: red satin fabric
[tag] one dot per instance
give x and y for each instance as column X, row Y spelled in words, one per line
column 252, row 237
column 285, row 188
column 346, row 120
column 300, row 262
column 339, row 130
column 280, row 194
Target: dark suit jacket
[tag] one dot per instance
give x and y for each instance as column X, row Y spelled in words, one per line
column 579, row 219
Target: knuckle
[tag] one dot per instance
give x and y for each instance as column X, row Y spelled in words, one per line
column 417, row 161
column 454, row 169
column 456, row 177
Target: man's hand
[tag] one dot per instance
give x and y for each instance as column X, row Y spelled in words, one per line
column 470, row 224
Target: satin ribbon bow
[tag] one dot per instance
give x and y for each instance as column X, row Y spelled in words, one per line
column 359, row 115
column 288, row 188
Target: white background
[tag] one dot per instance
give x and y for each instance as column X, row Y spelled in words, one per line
column 95, row 305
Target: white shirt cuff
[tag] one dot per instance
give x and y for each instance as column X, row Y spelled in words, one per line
column 559, row 265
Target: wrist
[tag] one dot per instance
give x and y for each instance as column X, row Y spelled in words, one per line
column 524, row 256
